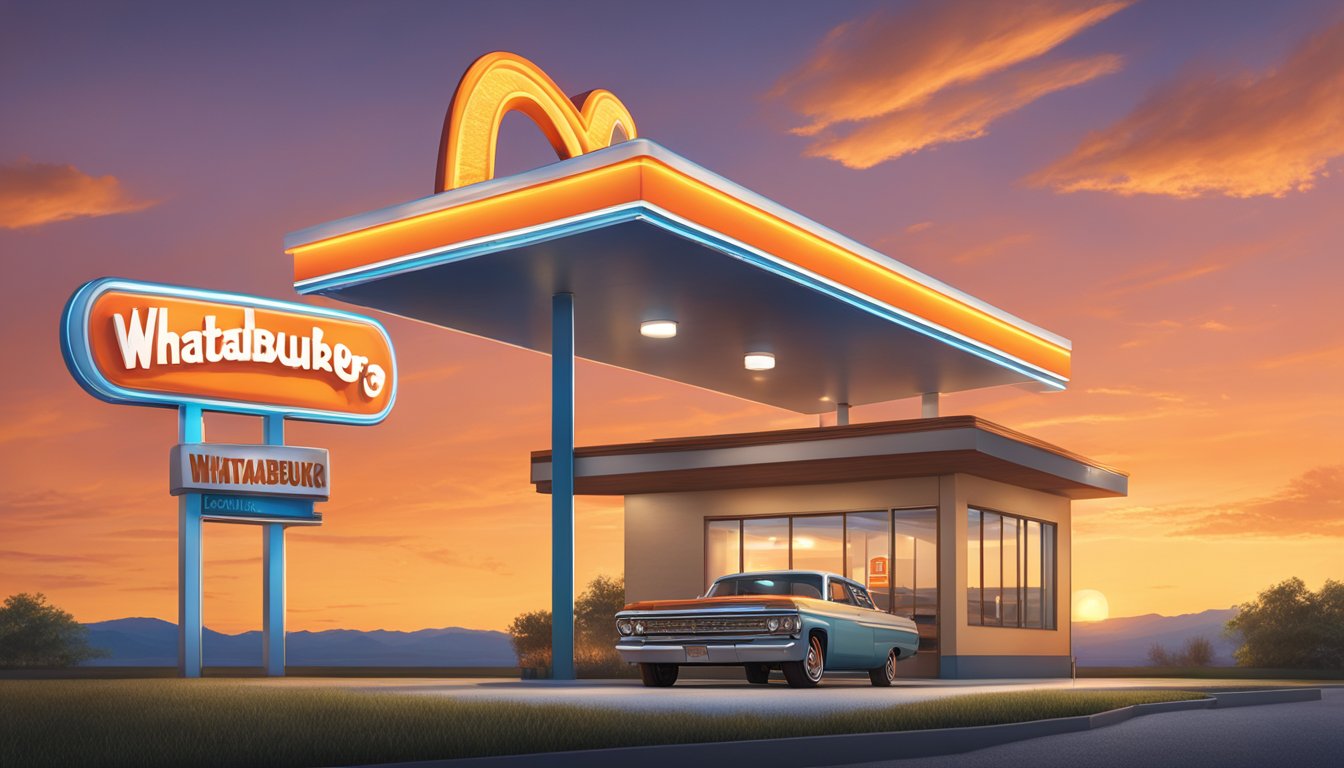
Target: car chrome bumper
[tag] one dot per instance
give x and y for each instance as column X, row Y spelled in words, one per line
column 770, row 650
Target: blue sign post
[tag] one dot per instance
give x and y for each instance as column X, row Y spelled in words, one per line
column 195, row 350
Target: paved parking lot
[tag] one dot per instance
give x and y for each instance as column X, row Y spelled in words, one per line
column 835, row 693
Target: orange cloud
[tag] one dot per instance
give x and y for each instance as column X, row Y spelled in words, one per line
column 1235, row 135
column 32, row 194
column 957, row 114
column 935, row 73
column 1311, row 505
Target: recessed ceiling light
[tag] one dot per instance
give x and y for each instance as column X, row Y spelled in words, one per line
column 759, row 361
column 825, row 398
column 658, row 329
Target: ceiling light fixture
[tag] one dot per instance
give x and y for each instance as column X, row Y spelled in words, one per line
column 759, row 361
column 658, row 329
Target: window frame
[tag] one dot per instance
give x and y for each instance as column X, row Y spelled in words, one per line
column 1049, row 616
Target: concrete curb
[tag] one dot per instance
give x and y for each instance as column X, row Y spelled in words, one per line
column 806, row 751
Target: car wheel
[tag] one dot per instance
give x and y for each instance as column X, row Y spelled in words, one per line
column 807, row 673
column 758, row 674
column 884, row 675
column 658, row 675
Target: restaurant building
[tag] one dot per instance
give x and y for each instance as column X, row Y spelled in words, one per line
column 628, row 254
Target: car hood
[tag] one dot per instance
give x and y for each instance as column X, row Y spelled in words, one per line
column 768, row 602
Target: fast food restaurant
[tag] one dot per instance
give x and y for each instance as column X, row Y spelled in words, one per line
column 625, row 253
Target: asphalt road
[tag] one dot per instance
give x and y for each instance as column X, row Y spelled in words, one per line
column 1301, row 735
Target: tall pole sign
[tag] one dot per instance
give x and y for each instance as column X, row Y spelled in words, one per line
column 195, row 350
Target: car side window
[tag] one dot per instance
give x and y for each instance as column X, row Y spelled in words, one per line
column 861, row 597
column 839, row 594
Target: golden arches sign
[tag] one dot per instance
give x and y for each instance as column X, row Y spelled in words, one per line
column 498, row 83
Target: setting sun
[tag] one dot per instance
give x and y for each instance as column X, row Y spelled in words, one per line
column 1090, row 605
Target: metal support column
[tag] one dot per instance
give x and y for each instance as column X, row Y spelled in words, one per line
column 562, row 486
column 841, row 414
column 190, row 429
column 929, row 405
column 273, row 575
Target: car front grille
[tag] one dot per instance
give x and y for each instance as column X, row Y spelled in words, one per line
column 706, row 625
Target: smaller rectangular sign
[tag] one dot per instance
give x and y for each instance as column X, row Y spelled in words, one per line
column 878, row 578
column 255, row 470
column 229, row 508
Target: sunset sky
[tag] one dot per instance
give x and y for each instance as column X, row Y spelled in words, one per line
column 1159, row 182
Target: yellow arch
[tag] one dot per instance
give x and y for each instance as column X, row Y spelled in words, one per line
column 500, row 82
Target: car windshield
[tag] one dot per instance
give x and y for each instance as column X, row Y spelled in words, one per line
column 800, row 585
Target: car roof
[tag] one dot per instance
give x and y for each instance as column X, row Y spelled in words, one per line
column 755, row 574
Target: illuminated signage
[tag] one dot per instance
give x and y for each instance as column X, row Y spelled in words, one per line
column 878, row 578
column 257, row 509
column 272, row 470
column 500, row 82
column 151, row 344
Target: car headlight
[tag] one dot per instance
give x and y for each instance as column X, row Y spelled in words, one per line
column 785, row 624
column 772, row 624
column 624, row 626
column 639, row 627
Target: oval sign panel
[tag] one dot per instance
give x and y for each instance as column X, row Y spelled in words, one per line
column 151, row 344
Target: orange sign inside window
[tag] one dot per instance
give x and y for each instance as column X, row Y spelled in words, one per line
column 878, row 578
column 149, row 344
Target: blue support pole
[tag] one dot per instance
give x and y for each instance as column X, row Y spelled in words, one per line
column 190, row 429
column 273, row 574
column 562, row 486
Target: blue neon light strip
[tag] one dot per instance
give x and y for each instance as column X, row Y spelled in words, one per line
column 659, row 218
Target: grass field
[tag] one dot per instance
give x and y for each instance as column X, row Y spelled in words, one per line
column 224, row 723
column 1214, row 673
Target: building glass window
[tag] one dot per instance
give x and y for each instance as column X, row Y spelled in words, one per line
column 1010, row 571
column 723, row 549
column 765, row 544
column 893, row 553
column 868, row 552
column 818, row 543
column 974, row 597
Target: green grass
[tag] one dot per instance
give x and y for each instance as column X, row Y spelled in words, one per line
column 1214, row 673
column 226, row 723
column 108, row 672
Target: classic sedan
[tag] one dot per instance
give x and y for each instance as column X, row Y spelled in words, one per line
column 799, row 622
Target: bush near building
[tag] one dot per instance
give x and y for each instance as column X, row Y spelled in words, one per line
column 1290, row 627
column 594, row 633
column 1197, row 652
column 37, row 634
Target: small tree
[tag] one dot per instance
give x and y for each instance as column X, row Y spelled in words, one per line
column 1198, row 652
column 1290, row 627
column 595, row 610
column 34, row 633
column 1159, row 656
column 530, row 634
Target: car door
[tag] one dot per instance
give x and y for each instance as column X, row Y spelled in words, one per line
column 851, row 644
column 884, row 637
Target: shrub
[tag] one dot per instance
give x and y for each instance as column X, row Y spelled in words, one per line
column 34, row 633
column 594, row 632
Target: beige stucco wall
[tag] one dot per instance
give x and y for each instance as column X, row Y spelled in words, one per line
column 665, row 532
column 959, row 638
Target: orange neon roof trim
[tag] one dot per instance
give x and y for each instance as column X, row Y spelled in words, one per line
column 644, row 179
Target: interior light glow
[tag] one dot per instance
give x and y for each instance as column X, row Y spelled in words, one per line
column 759, row 361
column 658, row 329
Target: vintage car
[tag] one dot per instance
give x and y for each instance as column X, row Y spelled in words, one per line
column 799, row 622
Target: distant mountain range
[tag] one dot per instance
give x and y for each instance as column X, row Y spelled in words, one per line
column 153, row 642
column 1124, row 642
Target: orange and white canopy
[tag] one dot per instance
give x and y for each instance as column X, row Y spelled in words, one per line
column 638, row 233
